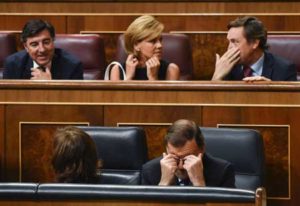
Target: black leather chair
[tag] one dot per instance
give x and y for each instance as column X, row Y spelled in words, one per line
column 243, row 148
column 89, row 48
column 176, row 49
column 123, row 151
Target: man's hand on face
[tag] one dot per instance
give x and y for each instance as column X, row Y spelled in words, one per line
column 194, row 167
column 38, row 74
column 168, row 166
column 225, row 63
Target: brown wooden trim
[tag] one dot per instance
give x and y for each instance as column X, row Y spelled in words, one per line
column 148, row 85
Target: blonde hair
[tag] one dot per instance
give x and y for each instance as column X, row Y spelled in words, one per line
column 141, row 28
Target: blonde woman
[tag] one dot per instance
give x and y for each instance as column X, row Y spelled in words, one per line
column 143, row 44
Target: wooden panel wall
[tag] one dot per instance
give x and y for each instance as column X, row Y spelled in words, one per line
column 151, row 7
column 32, row 110
column 38, row 125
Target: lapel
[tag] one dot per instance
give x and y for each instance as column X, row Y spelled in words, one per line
column 237, row 73
column 268, row 66
column 28, row 65
column 55, row 67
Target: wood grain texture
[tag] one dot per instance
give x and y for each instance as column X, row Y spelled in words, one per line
column 44, row 118
column 150, row 7
column 155, row 121
column 33, row 109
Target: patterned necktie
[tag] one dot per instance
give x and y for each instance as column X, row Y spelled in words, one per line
column 247, row 71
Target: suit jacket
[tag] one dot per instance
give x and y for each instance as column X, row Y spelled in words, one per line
column 274, row 68
column 64, row 66
column 217, row 172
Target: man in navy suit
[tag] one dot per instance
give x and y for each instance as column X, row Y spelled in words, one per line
column 247, row 57
column 40, row 59
column 185, row 161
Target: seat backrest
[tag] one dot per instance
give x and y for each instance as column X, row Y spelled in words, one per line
column 286, row 46
column 88, row 48
column 243, row 148
column 146, row 195
column 18, row 190
column 123, row 151
column 8, row 47
column 176, row 49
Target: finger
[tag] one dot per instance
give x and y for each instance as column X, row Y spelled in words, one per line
column 134, row 59
column 168, row 156
column 232, row 52
column 130, row 57
column 250, row 79
column 157, row 62
column 35, row 72
column 235, row 56
column 150, row 61
column 47, row 70
column 148, row 64
column 155, row 59
column 217, row 57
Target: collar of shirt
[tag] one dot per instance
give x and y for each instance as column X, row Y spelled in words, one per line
column 257, row 67
column 35, row 65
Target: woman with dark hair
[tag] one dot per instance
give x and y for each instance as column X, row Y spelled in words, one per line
column 74, row 156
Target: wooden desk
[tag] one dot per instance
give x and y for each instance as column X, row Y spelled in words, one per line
column 30, row 112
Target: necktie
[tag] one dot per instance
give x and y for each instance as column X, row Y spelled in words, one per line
column 247, row 71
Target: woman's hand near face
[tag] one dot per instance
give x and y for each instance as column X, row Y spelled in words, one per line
column 152, row 65
column 131, row 64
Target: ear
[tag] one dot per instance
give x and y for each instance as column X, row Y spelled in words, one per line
column 25, row 46
column 136, row 47
column 255, row 44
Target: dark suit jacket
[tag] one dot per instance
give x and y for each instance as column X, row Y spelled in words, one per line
column 64, row 66
column 217, row 172
column 274, row 68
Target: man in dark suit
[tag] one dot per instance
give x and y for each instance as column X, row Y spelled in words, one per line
column 247, row 57
column 185, row 161
column 40, row 59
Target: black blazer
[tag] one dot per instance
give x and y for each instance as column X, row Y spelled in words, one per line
column 217, row 172
column 275, row 68
column 64, row 66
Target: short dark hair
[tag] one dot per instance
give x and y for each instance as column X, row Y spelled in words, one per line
column 74, row 156
column 182, row 131
column 253, row 29
column 35, row 26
